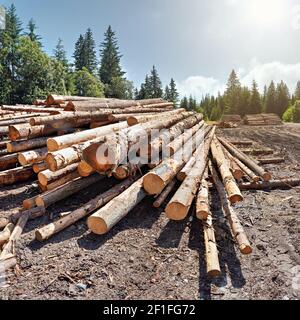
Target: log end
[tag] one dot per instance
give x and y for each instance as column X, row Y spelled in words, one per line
column 236, row 198
column 98, row 157
column 245, row 249
column 39, row 235
column 42, row 178
column 32, row 122
column 22, row 160
column 131, row 121
column 153, row 184
column 255, row 179
column 13, row 133
column 28, row 203
column 202, row 214
column 52, row 145
column 9, row 147
column 50, row 159
column 181, row 176
column 39, row 201
column 84, row 169
column 267, row 176
column 176, row 211
column 121, row 173
column 97, row 225
column 214, row 273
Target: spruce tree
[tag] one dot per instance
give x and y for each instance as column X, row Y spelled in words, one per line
column 184, row 103
column 233, row 94
column 33, row 36
column 167, row 95
column 271, row 98
column 173, row 92
column 297, row 91
column 155, row 84
column 255, row 100
column 282, row 98
column 79, row 53
column 60, row 53
column 89, row 53
column 110, row 66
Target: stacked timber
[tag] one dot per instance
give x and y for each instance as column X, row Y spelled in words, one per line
column 230, row 121
column 262, row 119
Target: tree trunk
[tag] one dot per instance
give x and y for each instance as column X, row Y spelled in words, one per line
column 3, row 222
column 273, row 184
column 236, row 227
column 29, row 203
column 163, row 196
column 8, row 161
column 270, row 160
column 126, row 116
column 12, row 176
column 57, row 143
column 33, row 213
column 26, row 131
column 41, row 166
column 235, row 169
column 59, row 182
column 66, row 190
column 17, row 146
column 5, row 234
column 32, row 156
column 64, row 222
column 98, row 124
column 47, row 176
column 246, row 160
column 61, row 99
column 202, row 199
column 233, row 191
column 26, row 108
column 84, row 169
column 257, row 152
column 108, row 216
column 242, row 143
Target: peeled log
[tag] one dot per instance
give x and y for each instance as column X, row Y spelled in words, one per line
column 22, row 131
column 12, row 176
column 17, row 146
column 66, row 190
column 57, row 143
column 163, row 196
column 274, row 184
column 202, row 199
column 41, row 166
column 61, row 99
column 32, row 156
column 84, row 169
column 257, row 152
column 179, row 206
column 32, row 109
column 47, row 176
column 233, row 191
column 59, row 182
column 8, row 161
column 49, row 230
column 5, row 234
column 246, row 160
column 104, row 219
column 126, row 116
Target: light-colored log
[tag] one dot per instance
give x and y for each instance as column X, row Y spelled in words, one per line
column 26, row 131
column 84, row 169
column 32, row 156
column 108, row 216
column 270, row 160
column 59, row 182
column 54, row 227
column 236, row 227
column 17, row 146
column 202, row 199
column 32, row 109
column 3, row 222
column 12, row 176
column 61, row 99
column 5, row 234
column 47, row 176
column 257, row 152
column 163, row 196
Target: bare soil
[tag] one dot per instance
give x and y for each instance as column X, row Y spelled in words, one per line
column 146, row 256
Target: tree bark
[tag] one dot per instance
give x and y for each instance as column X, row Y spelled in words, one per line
column 33, row 213
column 257, row 152
column 108, row 216
column 61, row 99
column 38, row 167
column 32, row 156
column 35, row 109
column 17, row 146
column 236, row 227
column 29, row 203
column 98, row 124
column 47, row 176
column 270, row 160
column 202, row 199
column 234, row 167
column 8, row 161
column 12, row 176
column 273, row 184
column 163, row 196
column 26, row 131
column 54, row 227
column 59, row 182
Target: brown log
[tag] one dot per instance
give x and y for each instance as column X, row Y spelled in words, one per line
column 108, row 216
column 242, row 142
column 235, row 169
column 270, row 160
column 118, row 144
column 124, row 171
column 47, row 176
column 17, row 146
column 98, row 124
column 4, row 143
column 32, row 156
column 3, row 152
column 14, row 121
column 32, row 109
column 29, row 203
column 179, row 206
column 163, row 196
column 57, row 143
column 202, row 199
column 233, row 191
column 61, row 99
column 273, row 184
column 8, row 263
column 54, row 227
column 5, row 234
column 20, row 131
column 12, row 176
column 246, row 160
column 66, row 190
column 39, row 102
column 257, row 152
column 40, row 166
column 236, row 227
column 59, row 182
column 125, row 116
column 84, row 169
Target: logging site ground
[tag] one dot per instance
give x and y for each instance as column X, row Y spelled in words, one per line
column 148, row 256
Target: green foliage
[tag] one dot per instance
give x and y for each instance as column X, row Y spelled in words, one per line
column 297, row 91
column 282, row 98
column 288, row 116
column 255, row 104
column 296, row 117
column 184, row 103
column 233, row 94
column 60, row 53
column 86, row 84
column 171, row 93
column 271, row 98
column 31, row 32
column 152, row 87
column 119, row 88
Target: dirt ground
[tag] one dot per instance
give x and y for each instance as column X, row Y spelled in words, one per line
column 146, row 256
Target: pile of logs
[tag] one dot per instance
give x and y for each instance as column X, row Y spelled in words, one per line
column 262, row 119
column 63, row 151
column 230, row 121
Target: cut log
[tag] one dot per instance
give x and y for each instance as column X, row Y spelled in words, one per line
column 8, row 263
column 3, row 143
column 12, row 176
column 98, row 124
column 47, row 176
column 61, row 99
column 273, row 184
column 64, row 222
column 84, row 169
column 257, row 152
column 32, row 156
column 4, row 131
column 163, row 196
column 235, row 169
column 5, row 234
column 236, row 227
column 29, row 203
column 41, row 166
column 125, row 116
column 202, row 199
column 33, row 213
column 270, row 160
column 66, row 190
column 108, row 216
column 32, row 109
column 233, row 191
column 26, row 131
column 242, row 143
column 63, row 180
column 17, row 146
column 3, row 222
column 250, row 163
column 58, row 143
column 180, row 204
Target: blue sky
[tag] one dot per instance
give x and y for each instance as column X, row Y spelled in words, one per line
column 197, row 42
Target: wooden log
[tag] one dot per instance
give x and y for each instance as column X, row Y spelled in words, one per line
column 26, row 131
column 9, row 247
column 40, row 166
column 58, row 143
column 32, row 156
column 61, row 99
column 39, row 102
column 125, row 116
column 108, row 216
column 233, row 191
column 12, row 176
column 250, row 163
column 4, row 131
column 3, row 222
column 47, row 176
column 273, row 184
column 124, row 171
column 17, row 146
column 59, row 182
column 54, row 227
column 163, row 196
column 84, row 169
column 202, row 199
column 243, row 167
column 98, row 124
column 257, row 152
column 32, row 109
column 66, row 190
column 3, row 152
column 5, row 234
column 236, row 227
column 4, row 143
column 8, row 263
column 270, row 160
column 242, row 142
column 235, row 169
column 180, row 204
column 29, row 203
column 14, row 121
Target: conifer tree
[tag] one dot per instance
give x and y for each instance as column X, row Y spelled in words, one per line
column 255, row 100
column 60, row 53
column 282, row 98
column 79, row 53
column 297, row 91
column 233, row 94
column 271, row 98
column 155, row 85
column 167, row 95
column 33, row 36
column 89, row 53
column 173, row 92
column 184, row 103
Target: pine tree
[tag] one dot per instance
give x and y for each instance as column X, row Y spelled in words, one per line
column 282, row 98
column 31, row 32
column 155, row 85
column 297, row 91
column 79, row 53
column 60, row 53
column 89, row 53
column 255, row 100
column 271, row 98
column 173, row 92
column 167, row 95
column 184, row 103
column 233, row 94
column 110, row 66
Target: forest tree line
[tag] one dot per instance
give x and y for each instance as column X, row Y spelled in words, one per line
column 28, row 73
